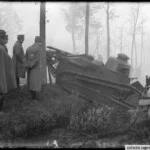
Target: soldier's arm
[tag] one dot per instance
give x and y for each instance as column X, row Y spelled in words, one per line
column 36, row 61
column 26, row 55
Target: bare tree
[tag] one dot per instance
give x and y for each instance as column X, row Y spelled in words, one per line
column 142, row 39
column 142, row 34
column 110, row 14
column 115, row 40
column 95, row 26
column 108, row 32
column 74, row 21
column 121, row 37
column 98, row 32
column 135, row 11
column 87, row 28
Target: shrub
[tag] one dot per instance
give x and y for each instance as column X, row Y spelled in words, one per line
column 102, row 120
column 24, row 117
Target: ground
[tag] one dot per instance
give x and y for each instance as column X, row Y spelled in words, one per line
column 68, row 119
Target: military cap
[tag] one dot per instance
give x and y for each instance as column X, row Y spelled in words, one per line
column 20, row 36
column 37, row 39
column 124, row 56
column 2, row 34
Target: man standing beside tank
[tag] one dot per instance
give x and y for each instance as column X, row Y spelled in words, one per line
column 7, row 74
column 33, row 57
column 19, row 59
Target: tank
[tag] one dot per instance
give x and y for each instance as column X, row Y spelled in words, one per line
column 105, row 84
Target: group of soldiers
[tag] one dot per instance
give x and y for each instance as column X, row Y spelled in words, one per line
column 12, row 69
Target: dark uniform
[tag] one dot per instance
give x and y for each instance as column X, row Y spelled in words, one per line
column 19, row 59
column 6, row 41
column 7, row 74
column 33, row 57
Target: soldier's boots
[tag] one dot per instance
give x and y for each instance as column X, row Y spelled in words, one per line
column 1, row 102
column 34, row 95
column 18, row 82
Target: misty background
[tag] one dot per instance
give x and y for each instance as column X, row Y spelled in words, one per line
column 24, row 18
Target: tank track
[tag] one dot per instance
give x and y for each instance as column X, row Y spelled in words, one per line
column 82, row 82
column 99, row 81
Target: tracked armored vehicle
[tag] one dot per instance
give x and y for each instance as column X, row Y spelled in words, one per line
column 106, row 84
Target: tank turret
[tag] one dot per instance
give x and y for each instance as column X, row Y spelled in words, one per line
column 119, row 64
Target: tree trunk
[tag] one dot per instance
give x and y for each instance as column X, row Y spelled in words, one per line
column 134, row 32
column 132, row 53
column 42, row 35
column 142, row 35
column 96, row 48
column 121, row 37
column 135, row 55
column 73, row 41
column 108, row 32
column 87, row 29
column 132, row 47
column 115, row 44
column 97, row 44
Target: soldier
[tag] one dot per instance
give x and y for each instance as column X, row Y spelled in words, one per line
column 7, row 74
column 33, row 56
column 19, row 59
column 6, row 41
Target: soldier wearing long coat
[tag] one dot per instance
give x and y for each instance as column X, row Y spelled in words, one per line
column 6, row 41
column 7, row 74
column 33, row 57
column 19, row 59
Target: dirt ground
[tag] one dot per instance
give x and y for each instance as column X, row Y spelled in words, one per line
column 31, row 123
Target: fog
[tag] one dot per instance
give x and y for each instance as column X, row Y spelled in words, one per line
column 57, row 35
column 29, row 13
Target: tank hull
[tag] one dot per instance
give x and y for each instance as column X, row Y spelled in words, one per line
column 96, row 83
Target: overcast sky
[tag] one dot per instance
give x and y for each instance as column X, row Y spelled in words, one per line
column 55, row 30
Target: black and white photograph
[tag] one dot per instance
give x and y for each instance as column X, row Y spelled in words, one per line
column 75, row 74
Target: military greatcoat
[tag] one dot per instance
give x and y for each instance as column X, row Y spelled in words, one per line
column 6, row 48
column 7, row 74
column 19, row 60
column 33, row 57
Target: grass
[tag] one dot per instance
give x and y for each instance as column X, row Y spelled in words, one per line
column 100, row 120
column 23, row 117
